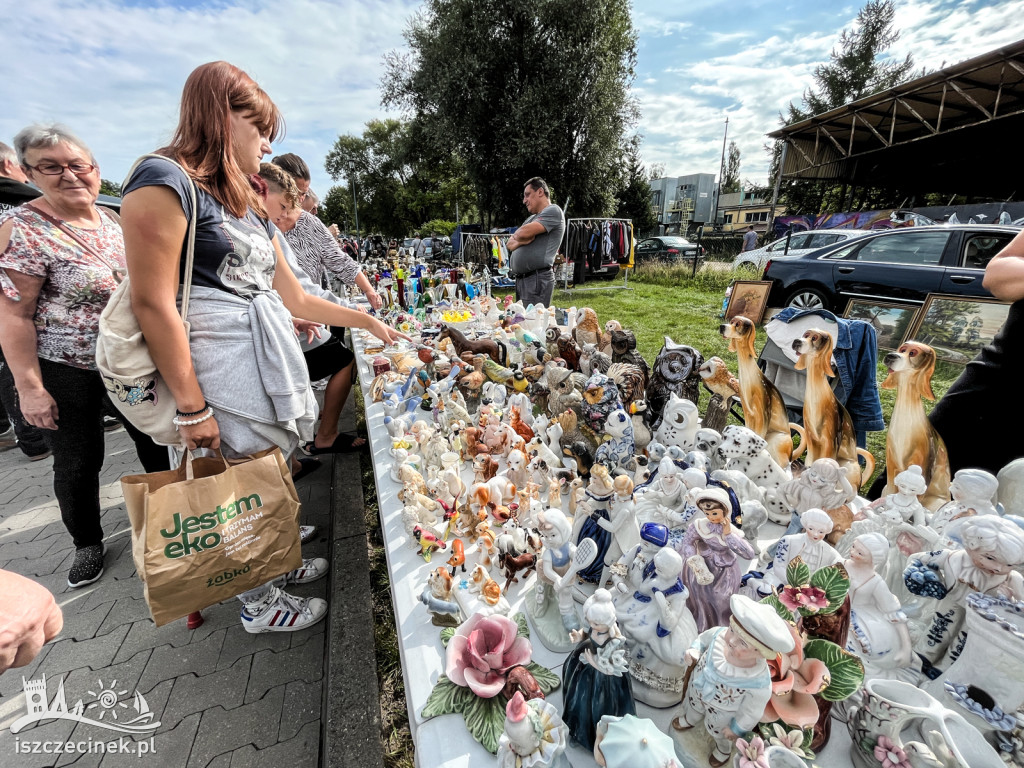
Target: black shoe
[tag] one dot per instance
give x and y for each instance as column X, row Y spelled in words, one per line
column 88, row 565
column 110, row 424
column 7, row 438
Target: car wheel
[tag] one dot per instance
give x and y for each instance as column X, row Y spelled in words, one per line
column 807, row 298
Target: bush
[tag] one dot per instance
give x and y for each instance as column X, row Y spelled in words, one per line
column 709, row 277
column 438, row 227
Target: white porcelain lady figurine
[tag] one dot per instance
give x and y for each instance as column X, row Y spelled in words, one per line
column 878, row 627
column 973, row 492
column 552, row 607
column 660, row 628
column 993, row 548
column 534, row 737
column 622, row 524
column 809, row 545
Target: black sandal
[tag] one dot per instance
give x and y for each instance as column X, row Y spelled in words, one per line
column 343, row 443
column 306, row 467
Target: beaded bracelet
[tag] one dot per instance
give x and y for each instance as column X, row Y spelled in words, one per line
column 192, row 422
column 193, row 413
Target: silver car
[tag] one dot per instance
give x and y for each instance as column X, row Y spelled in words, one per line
column 799, row 243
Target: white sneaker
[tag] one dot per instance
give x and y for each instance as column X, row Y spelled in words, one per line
column 281, row 612
column 306, row 532
column 313, row 568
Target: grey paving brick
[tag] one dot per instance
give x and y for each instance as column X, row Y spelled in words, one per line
column 83, row 625
column 95, row 653
column 10, row 685
column 170, row 748
column 302, row 704
column 197, row 658
column 127, row 610
column 123, row 679
column 191, row 693
column 43, row 566
column 145, row 634
column 226, row 730
column 239, row 643
column 270, row 669
column 300, row 752
column 108, row 590
column 53, row 730
column 28, row 549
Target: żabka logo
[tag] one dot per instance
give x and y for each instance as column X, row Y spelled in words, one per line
column 108, row 710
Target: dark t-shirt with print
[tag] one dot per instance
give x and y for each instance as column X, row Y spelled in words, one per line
column 231, row 254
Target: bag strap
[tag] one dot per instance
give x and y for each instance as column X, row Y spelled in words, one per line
column 191, row 237
column 115, row 270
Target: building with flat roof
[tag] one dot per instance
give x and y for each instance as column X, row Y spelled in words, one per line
column 739, row 210
column 683, row 203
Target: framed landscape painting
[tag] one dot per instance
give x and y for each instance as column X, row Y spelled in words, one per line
column 748, row 298
column 957, row 327
column 891, row 321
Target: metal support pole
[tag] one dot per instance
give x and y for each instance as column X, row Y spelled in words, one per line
column 775, row 193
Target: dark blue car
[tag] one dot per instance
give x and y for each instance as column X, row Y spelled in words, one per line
column 898, row 264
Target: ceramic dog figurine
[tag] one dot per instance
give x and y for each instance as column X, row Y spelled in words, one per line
column 911, row 438
column 747, row 452
column 763, row 407
column 828, row 426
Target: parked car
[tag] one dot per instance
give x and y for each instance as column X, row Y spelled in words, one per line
column 897, row 264
column 408, row 242
column 799, row 243
column 667, row 248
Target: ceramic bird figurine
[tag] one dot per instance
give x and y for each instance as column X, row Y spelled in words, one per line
column 629, row 379
column 587, row 330
column 520, row 382
column 498, row 373
column 641, row 432
column 605, row 344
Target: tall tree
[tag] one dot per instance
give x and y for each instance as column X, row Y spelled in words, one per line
column 731, row 174
column 108, row 187
column 531, row 88
column 858, row 67
column 336, row 208
column 633, row 199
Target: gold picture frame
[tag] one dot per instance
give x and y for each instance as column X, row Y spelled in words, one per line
column 749, row 298
column 957, row 327
column 892, row 321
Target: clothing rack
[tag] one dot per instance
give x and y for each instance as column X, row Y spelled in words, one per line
column 468, row 237
column 625, row 270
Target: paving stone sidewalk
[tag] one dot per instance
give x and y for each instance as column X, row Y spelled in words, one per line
column 224, row 698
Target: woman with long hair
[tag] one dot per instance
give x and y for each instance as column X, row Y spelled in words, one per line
column 239, row 380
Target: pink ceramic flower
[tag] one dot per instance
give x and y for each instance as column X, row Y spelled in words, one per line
column 750, row 754
column 481, row 652
column 811, row 599
column 889, row 755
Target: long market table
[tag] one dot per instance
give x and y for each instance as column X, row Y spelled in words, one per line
column 444, row 742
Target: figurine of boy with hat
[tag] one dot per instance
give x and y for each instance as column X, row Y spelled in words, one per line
column 730, row 681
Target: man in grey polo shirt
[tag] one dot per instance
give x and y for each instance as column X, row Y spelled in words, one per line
column 533, row 247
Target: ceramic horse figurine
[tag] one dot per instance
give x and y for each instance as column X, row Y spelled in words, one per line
column 493, row 349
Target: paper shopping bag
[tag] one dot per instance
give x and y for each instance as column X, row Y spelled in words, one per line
column 211, row 529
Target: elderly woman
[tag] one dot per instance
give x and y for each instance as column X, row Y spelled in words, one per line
column 58, row 258
column 242, row 357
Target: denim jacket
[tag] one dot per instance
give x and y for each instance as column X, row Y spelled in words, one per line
column 856, row 355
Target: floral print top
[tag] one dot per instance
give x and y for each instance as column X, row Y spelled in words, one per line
column 76, row 284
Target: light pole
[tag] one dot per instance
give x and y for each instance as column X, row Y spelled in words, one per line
column 355, row 204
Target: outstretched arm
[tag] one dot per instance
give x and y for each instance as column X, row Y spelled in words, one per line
column 1004, row 276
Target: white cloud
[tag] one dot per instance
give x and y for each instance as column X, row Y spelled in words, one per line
column 114, row 72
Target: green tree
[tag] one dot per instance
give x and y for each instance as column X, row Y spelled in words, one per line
column 858, row 67
column 108, row 187
column 336, row 208
column 731, row 175
column 633, row 199
column 532, row 88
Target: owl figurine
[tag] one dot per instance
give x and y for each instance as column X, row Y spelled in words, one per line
column 679, row 424
column 600, row 398
column 675, row 372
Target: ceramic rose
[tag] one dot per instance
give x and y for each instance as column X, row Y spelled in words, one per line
column 481, row 652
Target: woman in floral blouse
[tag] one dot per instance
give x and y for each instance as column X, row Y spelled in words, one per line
column 58, row 258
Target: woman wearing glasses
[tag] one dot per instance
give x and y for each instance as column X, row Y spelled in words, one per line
column 58, row 255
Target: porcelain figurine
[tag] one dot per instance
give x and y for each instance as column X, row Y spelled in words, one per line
column 618, row 448
column 595, row 681
column 707, row 441
column 534, row 735
column 600, row 398
column 878, row 632
column 902, row 519
column 628, row 573
column 623, row 350
column 439, row 599
column 562, row 392
column 484, row 467
column 822, row 485
column 679, row 423
column 427, row 542
column 593, row 520
column 993, row 549
column 665, row 489
column 730, row 684
column 660, row 628
column 434, row 449
column 641, row 431
column 725, row 391
column 593, row 360
column 494, row 395
column 521, row 400
column 483, row 595
column 675, row 372
column 552, row 607
column 517, row 471
column 902, row 724
column 712, row 550
column 633, row 742
column 1011, row 488
column 973, row 492
column 810, row 546
column 622, row 524
column 586, row 330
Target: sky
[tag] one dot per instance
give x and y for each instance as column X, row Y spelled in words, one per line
column 112, row 70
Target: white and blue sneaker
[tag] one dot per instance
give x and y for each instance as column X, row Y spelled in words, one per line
column 280, row 612
column 313, row 569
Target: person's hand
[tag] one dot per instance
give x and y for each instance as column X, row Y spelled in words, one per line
column 29, row 617
column 206, row 434
column 384, row 332
column 374, row 298
column 308, row 327
column 39, row 409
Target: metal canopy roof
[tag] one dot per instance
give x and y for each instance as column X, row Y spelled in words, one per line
column 955, row 130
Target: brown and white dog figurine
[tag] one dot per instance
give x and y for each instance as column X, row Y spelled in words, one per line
column 764, row 410
column 911, row 438
column 828, row 427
